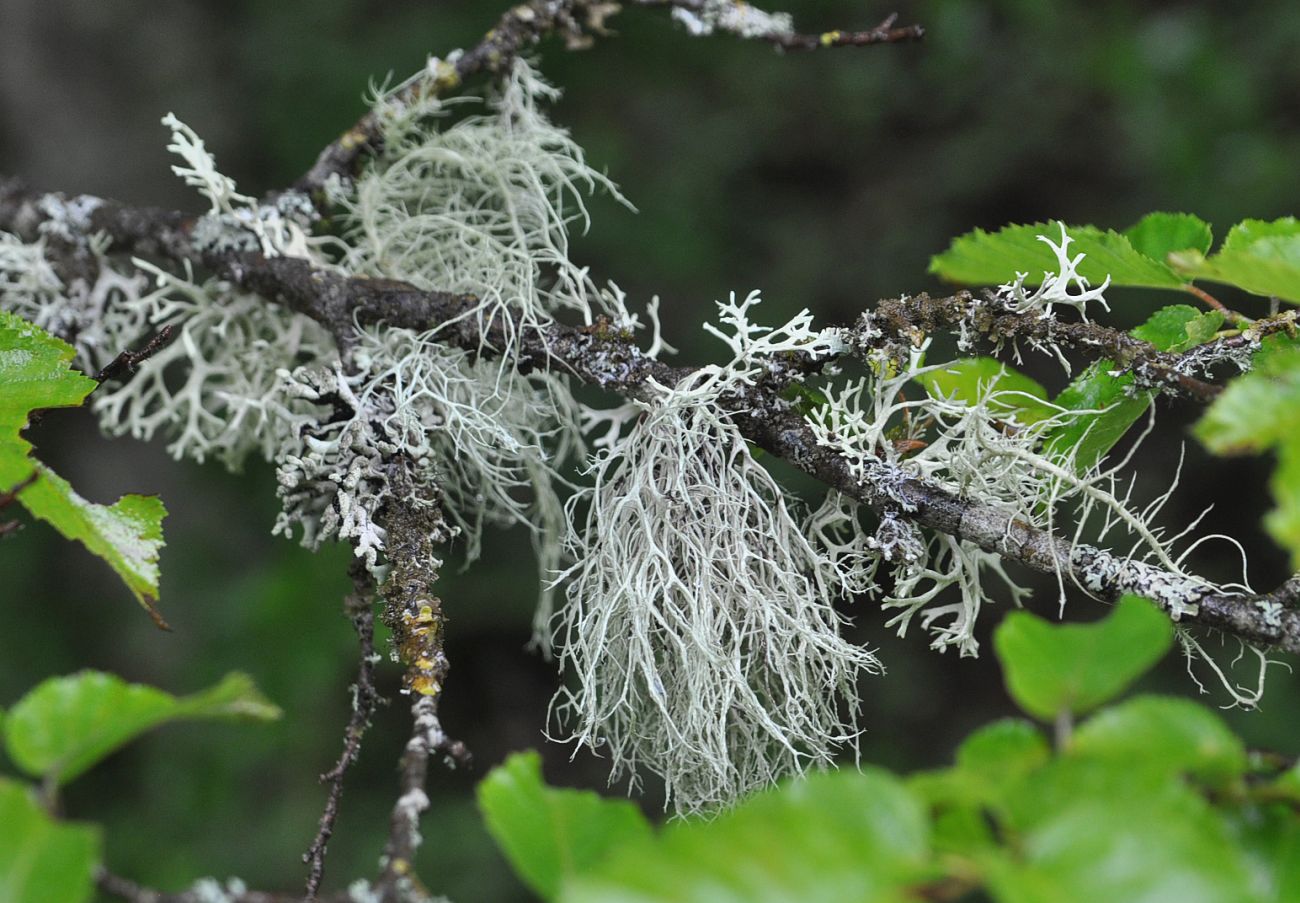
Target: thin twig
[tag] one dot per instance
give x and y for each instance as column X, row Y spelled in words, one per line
column 908, row 319
column 9, row 527
column 884, row 33
column 1213, row 302
column 126, row 363
column 577, row 22
column 365, row 699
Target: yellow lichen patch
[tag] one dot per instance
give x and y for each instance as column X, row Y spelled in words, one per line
column 830, row 37
column 445, row 77
column 425, row 685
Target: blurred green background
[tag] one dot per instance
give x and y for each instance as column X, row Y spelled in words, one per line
column 825, row 179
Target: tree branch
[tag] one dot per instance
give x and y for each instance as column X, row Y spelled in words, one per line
column 414, row 527
column 908, row 319
column 601, row 356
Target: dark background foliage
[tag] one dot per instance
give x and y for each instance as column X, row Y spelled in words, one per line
column 827, row 180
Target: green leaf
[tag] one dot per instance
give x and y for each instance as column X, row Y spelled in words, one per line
column 1162, row 250
column 1106, row 828
column 995, row 258
column 828, row 838
column 1283, row 523
column 970, row 379
column 987, row 762
column 1158, row 235
column 806, row 398
column 41, row 860
column 1271, row 838
column 126, row 534
column 963, row 830
column 1088, row 438
column 551, row 835
column 1287, row 785
column 1258, row 256
column 1054, row 668
column 67, row 724
column 1003, row 749
column 1119, row 841
column 1260, row 410
column 1175, row 734
column 1085, row 439
column 35, row 374
column 1179, row 327
column 995, row 754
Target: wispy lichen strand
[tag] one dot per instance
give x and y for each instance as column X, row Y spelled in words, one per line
column 699, row 622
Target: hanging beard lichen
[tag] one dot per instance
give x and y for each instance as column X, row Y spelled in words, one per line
column 698, row 623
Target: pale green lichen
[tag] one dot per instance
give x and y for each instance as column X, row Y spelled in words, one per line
column 698, row 621
column 483, row 205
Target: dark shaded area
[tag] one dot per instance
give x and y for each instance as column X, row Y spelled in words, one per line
column 825, row 179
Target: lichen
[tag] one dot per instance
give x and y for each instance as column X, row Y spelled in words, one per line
column 698, row 622
column 989, row 451
column 1062, row 286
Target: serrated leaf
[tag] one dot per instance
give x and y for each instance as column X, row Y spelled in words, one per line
column 806, row 398
column 1085, row 439
column 1088, row 438
column 1258, row 411
column 827, row 838
column 1179, row 327
column 970, row 379
column 550, row 835
column 35, row 373
column 1054, row 668
column 67, row 724
column 1259, row 256
column 126, row 534
column 995, row 258
column 1158, row 235
column 988, row 761
column 963, row 830
column 1170, row 733
column 41, row 860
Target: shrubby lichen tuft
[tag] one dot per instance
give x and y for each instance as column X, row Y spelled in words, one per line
column 698, row 623
column 1063, row 286
column 481, row 206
